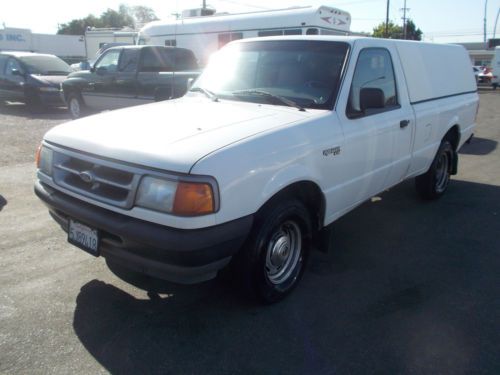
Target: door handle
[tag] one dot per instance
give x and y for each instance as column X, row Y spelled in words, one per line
column 404, row 123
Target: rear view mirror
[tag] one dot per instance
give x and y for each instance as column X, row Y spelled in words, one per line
column 370, row 97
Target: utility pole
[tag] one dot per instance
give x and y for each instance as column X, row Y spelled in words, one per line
column 485, row 9
column 496, row 22
column 404, row 19
column 204, row 4
column 387, row 20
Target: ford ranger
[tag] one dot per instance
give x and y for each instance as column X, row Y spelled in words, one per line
column 277, row 139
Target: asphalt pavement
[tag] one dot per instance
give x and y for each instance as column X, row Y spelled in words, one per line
column 409, row 287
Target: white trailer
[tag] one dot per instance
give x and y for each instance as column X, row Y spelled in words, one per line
column 97, row 38
column 206, row 34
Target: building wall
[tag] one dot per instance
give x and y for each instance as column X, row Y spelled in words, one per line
column 64, row 46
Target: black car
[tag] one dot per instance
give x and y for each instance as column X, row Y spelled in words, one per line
column 130, row 75
column 32, row 78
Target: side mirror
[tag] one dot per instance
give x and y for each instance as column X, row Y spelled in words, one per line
column 370, row 98
column 17, row 72
column 190, row 83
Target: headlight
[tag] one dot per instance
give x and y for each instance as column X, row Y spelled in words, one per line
column 176, row 197
column 49, row 89
column 43, row 160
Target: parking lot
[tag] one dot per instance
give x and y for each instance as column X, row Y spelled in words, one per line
column 409, row 287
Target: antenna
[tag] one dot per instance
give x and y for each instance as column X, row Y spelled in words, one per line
column 387, row 20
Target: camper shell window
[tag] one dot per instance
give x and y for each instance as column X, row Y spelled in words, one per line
column 171, row 43
column 228, row 37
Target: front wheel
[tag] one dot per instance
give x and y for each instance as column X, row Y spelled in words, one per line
column 274, row 257
column 433, row 183
column 76, row 107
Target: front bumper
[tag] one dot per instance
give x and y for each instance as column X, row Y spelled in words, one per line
column 52, row 99
column 182, row 256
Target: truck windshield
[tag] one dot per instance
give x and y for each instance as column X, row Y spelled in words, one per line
column 45, row 65
column 304, row 72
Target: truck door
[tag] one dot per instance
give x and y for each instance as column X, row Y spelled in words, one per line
column 98, row 93
column 371, row 112
column 124, row 85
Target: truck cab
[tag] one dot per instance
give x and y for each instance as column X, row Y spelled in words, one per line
column 130, row 75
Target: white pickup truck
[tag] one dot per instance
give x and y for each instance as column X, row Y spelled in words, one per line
column 277, row 139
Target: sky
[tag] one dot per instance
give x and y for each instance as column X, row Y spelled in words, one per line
column 443, row 21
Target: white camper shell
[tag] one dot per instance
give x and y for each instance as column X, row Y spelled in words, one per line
column 205, row 35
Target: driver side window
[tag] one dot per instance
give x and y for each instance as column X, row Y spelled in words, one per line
column 109, row 61
column 374, row 75
column 12, row 64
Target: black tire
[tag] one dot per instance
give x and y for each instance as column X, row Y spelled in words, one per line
column 274, row 257
column 433, row 183
column 495, row 85
column 33, row 104
column 76, row 106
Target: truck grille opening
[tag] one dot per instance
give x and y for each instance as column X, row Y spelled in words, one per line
column 96, row 179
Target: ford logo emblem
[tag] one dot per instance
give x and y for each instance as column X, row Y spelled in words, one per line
column 87, row 177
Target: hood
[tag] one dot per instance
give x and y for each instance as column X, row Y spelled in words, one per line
column 171, row 135
column 49, row 80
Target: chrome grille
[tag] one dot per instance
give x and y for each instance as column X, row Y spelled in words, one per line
column 101, row 180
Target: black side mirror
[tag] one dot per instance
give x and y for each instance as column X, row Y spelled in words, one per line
column 17, row 72
column 371, row 97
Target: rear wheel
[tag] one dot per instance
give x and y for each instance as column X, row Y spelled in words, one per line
column 433, row 183
column 76, row 107
column 274, row 257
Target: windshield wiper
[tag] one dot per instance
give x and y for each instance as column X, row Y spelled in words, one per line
column 269, row 95
column 209, row 94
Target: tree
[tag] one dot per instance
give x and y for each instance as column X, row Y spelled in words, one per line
column 123, row 17
column 396, row 32
column 143, row 14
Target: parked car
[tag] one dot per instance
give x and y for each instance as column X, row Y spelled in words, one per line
column 477, row 70
column 277, row 139
column 130, row 75
column 32, row 78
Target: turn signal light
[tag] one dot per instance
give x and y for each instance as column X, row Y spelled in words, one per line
column 193, row 199
column 37, row 156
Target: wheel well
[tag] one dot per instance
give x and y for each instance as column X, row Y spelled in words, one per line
column 308, row 193
column 453, row 135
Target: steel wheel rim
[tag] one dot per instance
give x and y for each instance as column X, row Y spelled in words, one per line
column 74, row 106
column 283, row 252
column 442, row 174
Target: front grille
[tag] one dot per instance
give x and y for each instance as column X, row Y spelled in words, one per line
column 98, row 179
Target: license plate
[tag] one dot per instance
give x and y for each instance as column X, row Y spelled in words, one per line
column 84, row 237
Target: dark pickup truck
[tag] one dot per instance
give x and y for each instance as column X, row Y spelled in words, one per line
column 130, row 75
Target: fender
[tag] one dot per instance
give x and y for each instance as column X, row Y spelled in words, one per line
column 285, row 177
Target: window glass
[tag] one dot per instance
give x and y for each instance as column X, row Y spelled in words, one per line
column 270, row 32
column 109, row 60
column 184, row 60
column 224, row 39
column 373, row 71
column 236, row 36
column 171, row 43
column 293, row 32
column 45, row 65
column 129, row 60
column 157, row 60
column 312, row 32
column 12, row 64
column 306, row 72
